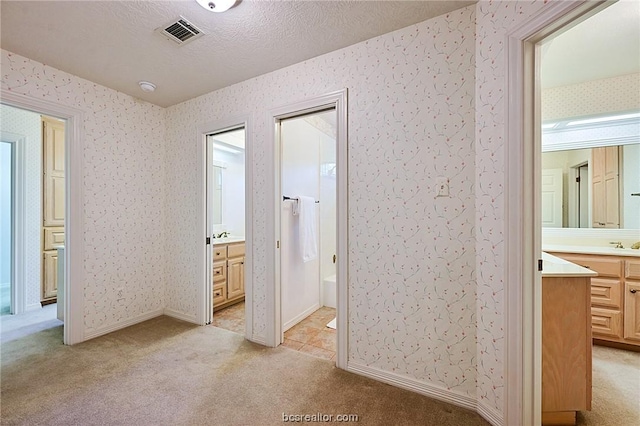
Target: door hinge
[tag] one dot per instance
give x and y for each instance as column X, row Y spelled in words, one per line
column 539, row 264
column 208, row 240
column 334, row 258
column 578, row 179
column 278, row 244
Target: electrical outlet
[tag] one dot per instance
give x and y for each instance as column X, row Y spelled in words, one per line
column 443, row 186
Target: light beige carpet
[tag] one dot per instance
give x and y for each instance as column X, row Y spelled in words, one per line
column 168, row 372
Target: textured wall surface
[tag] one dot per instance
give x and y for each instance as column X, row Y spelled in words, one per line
column 27, row 125
column 123, row 190
column 412, row 294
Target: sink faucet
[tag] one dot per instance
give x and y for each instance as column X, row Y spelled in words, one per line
column 222, row 235
column 617, row 243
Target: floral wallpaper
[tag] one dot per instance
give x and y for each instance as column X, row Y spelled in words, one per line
column 412, row 298
column 592, row 97
column 123, row 191
column 27, row 124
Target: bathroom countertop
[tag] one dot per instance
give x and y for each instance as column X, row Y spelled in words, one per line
column 555, row 267
column 608, row 251
column 228, row 240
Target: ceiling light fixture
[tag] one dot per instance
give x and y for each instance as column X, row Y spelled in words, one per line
column 217, row 5
column 146, row 86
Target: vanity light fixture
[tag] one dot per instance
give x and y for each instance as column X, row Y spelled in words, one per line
column 603, row 119
column 217, row 5
column 147, row 86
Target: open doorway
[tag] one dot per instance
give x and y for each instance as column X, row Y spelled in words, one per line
column 33, row 221
column 589, row 123
column 308, row 232
column 226, row 224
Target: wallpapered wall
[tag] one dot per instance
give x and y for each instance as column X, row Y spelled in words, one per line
column 412, row 292
column 592, row 97
column 27, row 124
column 123, row 190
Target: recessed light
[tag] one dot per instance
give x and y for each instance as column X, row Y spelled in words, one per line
column 146, row 86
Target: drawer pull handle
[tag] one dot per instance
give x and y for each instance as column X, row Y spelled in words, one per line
column 217, row 253
column 633, row 290
column 217, row 272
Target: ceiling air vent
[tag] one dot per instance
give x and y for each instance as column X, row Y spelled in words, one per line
column 180, row 30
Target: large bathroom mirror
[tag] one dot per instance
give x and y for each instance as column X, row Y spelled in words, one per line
column 591, row 173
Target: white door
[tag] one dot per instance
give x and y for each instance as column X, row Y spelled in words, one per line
column 6, row 232
column 552, row 198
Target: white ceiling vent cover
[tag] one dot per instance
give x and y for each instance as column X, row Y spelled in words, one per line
column 180, row 30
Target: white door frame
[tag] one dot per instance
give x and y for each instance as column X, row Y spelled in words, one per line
column 74, row 206
column 523, row 295
column 18, row 242
column 205, row 251
column 337, row 100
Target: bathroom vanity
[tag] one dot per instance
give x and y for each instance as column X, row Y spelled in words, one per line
column 566, row 340
column 228, row 271
column 615, row 293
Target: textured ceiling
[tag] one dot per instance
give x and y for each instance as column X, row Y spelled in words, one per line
column 605, row 45
column 113, row 42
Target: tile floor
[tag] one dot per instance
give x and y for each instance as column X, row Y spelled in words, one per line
column 231, row 318
column 311, row 335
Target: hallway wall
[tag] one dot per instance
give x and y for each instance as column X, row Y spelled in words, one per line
column 412, row 295
column 123, row 192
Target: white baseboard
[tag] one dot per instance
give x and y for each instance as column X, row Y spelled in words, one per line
column 180, row 315
column 33, row 307
column 259, row 340
column 287, row 325
column 490, row 414
column 123, row 324
column 435, row 392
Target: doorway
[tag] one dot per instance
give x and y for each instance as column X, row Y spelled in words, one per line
column 28, row 222
column 6, row 226
column 308, row 232
column 226, row 224
column 298, row 182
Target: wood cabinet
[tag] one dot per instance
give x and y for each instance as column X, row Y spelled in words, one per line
column 566, row 349
column 228, row 274
column 615, row 296
column 605, row 188
column 53, row 200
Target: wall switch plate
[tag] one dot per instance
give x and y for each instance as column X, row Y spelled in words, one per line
column 443, row 186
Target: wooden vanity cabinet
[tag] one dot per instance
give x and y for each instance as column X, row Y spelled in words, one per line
column 228, row 274
column 615, row 296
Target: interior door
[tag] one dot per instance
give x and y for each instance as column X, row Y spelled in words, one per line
column 552, row 198
column 6, row 229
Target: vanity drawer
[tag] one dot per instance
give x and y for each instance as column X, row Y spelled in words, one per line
column 606, row 322
column 219, row 294
column 633, row 269
column 53, row 237
column 236, row 250
column 604, row 266
column 219, row 252
column 606, row 293
column 219, row 271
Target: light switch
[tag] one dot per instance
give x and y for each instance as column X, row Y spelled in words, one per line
column 443, row 186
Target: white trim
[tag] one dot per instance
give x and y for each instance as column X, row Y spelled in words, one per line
column 74, row 206
column 19, row 244
column 180, row 315
column 33, row 307
column 287, row 325
column 273, row 332
column 522, row 372
column 205, row 257
column 124, row 324
column 259, row 340
column 436, row 392
column 490, row 414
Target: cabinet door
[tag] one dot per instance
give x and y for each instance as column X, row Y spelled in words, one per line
column 235, row 280
column 632, row 310
column 53, row 171
column 50, row 275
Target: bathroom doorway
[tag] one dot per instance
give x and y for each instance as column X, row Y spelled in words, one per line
column 6, row 226
column 308, row 232
column 226, row 228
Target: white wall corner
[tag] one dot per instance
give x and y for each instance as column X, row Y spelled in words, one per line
column 188, row 317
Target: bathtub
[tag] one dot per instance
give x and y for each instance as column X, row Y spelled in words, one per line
column 329, row 291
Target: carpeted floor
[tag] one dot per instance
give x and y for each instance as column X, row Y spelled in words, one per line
column 168, row 372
